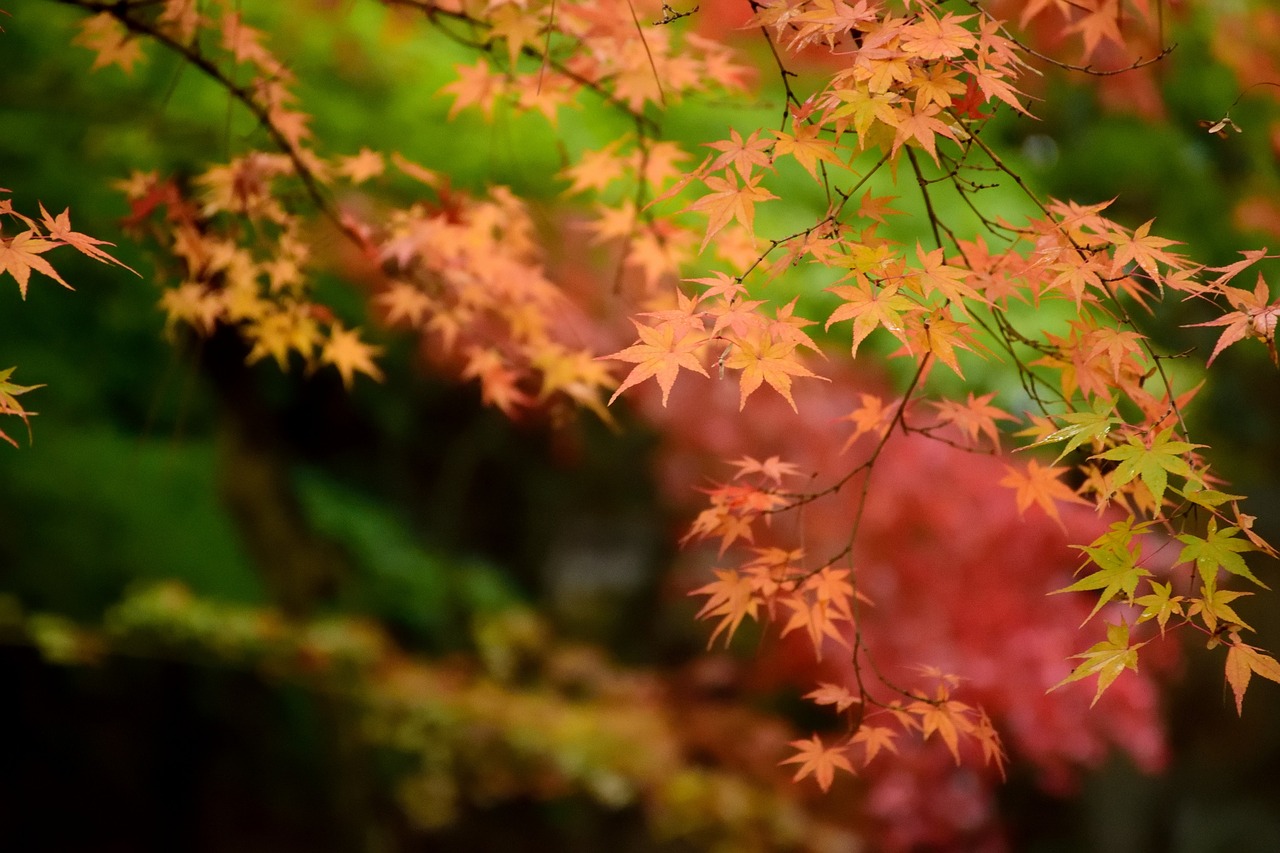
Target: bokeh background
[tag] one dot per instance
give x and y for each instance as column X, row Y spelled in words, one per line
column 497, row 652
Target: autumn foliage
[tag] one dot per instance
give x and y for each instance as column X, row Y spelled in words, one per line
column 765, row 280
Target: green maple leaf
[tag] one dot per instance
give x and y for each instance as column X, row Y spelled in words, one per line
column 1153, row 464
column 1106, row 660
column 1118, row 571
column 1159, row 604
column 1220, row 549
column 1080, row 427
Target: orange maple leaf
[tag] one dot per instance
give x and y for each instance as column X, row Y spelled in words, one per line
column 833, row 694
column 732, row 597
column 807, row 147
column 345, row 351
column 9, row 404
column 730, row 200
column 20, row 255
column 1253, row 317
column 59, row 228
column 660, row 355
column 1146, row 250
column 874, row 739
column 1040, row 485
column 1242, row 662
column 816, row 758
column 774, row 362
column 743, row 154
column 362, row 166
column 945, row 717
column 871, row 416
column 923, row 126
column 871, row 307
column 974, row 417
column 772, row 468
column 938, row 38
column 107, row 37
column 825, row 598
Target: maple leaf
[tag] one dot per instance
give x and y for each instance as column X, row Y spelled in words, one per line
column 9, row 404
column 180, row 19
column 993, row 83
column 807, row 147
column 1081, row 427
column 945, row 717
column 974, row 417
column 21, row 254
column 413, row 170
column 743, row 154
column 1230, row 271
column 873, row 740
column 576, row 374
column 1106, row 659
column 772, row 468
column 864, row 107
column 362, row 166
column 59, row 228
column 345, row 351
column 1159, row 604
column 728, row 201
column 1101, row 24
column 107, row 37
column 476, row 86
column 684, row 319
column 871, row 416
column 405, row 302
column 740, row 317
column 824, row 599
column 876, row 208
column 1041, row 486
column 921, row 126
column 732, row 597
column 774, row 362
column 939, row 86
column 721, row 285
column 613, row 222
column 938, row 38
column 1118, row 571
column 989, row 739
column 814, row 757
column 596, row 170
column 1218, row 549
column 517, row 27
column 936, row 276
column 833, row 694
column 277, row 333
column 941, row 335
column 1214, row 609
column 660, row 355
column 1153, row 464
column 789, row 328
column 499, row 382
column 1145, row 250
column 1242, row 662
column 1253, row 317
column 871, row 308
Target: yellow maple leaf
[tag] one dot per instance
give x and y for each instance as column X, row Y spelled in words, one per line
column 345, row 351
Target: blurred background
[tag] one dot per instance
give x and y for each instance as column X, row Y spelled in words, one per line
column 428, row 627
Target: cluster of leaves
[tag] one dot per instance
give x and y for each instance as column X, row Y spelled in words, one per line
column 23, row 253
column 900, row 87
column 543, row 719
